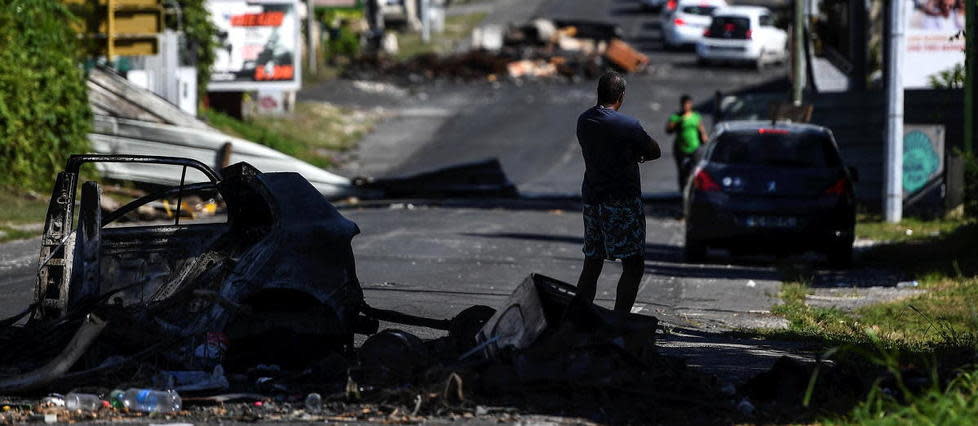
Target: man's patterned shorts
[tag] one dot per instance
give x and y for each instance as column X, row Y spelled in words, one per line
column 614, row 229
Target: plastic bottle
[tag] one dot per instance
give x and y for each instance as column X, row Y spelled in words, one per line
column 151, row 401
column 115, row 399
column 314, row 403
column 82, row 401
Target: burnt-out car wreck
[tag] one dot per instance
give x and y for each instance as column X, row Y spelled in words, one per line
column 267, row 289
column 280, row 268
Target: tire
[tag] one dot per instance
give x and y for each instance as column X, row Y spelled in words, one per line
column 759, row 65
column 694, row 250
column 701, row 61
column 840, row 256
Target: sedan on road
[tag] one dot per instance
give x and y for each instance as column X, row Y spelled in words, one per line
column 763, row 187
column 743, row 34
column 690, row 20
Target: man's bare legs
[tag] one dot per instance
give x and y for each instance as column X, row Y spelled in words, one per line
column 632, row 270
column 631, row 275
column 587, row 284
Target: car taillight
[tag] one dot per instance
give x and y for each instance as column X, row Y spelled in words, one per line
column 773, row 131
column 671, row 5
column 679, row 22
column 704, row 182
column 840, row 187
column 748, row 35
column 707, row 33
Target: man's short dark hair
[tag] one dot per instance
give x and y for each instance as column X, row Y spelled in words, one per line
column 611, row 87
column 684, row 98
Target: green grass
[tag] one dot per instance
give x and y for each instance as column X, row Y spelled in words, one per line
column 937, row 329
column 20, row 208
column 314, row 132
column 871, row 227
column 456, row 28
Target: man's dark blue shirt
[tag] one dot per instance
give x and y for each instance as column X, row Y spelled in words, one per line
column 613, row 144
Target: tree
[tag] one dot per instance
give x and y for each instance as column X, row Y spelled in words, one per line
column 44, row 114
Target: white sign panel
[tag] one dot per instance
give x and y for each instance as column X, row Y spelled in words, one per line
column 932, row 42
column 258, row 45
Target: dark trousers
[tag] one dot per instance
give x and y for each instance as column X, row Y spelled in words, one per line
column 684, row 164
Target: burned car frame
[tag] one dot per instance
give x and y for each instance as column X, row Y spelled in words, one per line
column 280, row 269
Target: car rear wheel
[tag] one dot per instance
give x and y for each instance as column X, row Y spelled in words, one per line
column 760, row 61
column 840, row 256
column 694, row 250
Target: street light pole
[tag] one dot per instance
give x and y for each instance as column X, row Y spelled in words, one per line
column 893, row 185
column 971, row 77
column 425, row 21
column 311, row 41
column 798, row 53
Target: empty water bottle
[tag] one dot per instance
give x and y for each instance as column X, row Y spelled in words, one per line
column 314, row 403
column 115, row 399
column 82, row 401
column 151, row 401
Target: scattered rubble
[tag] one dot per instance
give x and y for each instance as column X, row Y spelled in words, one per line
column 253, row 319
column 539, row 49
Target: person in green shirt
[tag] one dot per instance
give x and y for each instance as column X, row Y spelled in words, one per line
column 690, row 136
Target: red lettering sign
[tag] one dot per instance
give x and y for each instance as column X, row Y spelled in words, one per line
column 267, row 19
column 279, row 72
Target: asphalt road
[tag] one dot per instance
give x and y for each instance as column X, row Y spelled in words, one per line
column 436, row 261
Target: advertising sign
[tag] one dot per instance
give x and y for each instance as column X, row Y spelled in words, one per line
column 934, row 39
column 258, row 45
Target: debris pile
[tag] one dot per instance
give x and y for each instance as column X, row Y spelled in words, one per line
column 537, row 353
column 539, row 49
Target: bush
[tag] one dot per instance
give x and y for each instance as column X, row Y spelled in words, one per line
column 195, row 22
column 44, row 114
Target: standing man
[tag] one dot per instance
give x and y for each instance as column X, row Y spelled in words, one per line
column 690, row 135
column 614, row 218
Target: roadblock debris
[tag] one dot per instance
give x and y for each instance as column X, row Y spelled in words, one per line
column 541, row 48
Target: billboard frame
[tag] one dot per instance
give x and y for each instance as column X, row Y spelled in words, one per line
column 250, row 86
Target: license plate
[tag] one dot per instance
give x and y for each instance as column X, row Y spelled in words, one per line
column 771, row 221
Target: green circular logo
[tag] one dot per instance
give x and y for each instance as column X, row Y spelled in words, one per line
column 920, row 161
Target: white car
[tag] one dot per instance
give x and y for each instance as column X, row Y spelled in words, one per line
column 743, row 34
column 690, row 19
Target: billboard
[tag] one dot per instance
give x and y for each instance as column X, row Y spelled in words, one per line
column 934, row 41
column 258, row 45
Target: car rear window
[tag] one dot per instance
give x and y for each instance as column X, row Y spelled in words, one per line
column 699, row 10
column 729, row 27
column 757, row 148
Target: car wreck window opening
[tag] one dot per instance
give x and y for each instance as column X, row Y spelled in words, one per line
column 183, row 178
column 133, row 205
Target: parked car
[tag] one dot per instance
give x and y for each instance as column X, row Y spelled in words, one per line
column 771, row 187
column 689, row 21
column 743, row 34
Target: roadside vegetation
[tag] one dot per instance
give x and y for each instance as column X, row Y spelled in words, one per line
column 916, row 355
column 315, row 132
column 457, row 28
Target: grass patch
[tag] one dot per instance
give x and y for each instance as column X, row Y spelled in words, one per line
column 456, row 28
column 930, row 338
column 20, row 208
column 873, row 228
column 315, row 132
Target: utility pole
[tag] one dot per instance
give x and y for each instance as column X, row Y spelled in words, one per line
column 311, row 41
column 971, row 77
column 893, row 182
column 425, row 20
column 798, row 53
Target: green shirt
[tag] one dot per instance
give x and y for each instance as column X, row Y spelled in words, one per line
column 688, row 132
